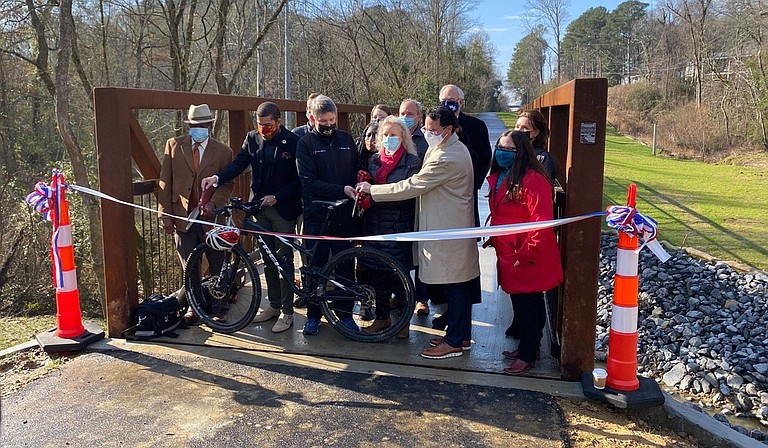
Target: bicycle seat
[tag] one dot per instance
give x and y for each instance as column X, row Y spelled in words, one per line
column 331, row 204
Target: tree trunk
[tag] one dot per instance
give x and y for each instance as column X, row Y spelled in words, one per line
column 66, row 35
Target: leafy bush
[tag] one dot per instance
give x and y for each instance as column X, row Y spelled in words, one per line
column 643, row 98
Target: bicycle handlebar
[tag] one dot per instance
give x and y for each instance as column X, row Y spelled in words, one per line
column 250, row 208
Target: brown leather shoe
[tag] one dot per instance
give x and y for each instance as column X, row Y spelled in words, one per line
column 519, row 367
column 422, row 309
column 190, row 317
column 405, row 333
column 512, row 355
column 465, row 345
column 378, row 325
column 442, row 351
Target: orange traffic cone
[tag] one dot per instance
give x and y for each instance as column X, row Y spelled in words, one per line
column 623, row 388
column 622, row 343
column 70, row 334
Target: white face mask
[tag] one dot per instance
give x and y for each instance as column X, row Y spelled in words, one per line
column 433, row 138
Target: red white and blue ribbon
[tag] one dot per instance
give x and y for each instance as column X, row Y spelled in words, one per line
column 41, row 200
column 628, row 220
column 424, row 235
column 47, row 200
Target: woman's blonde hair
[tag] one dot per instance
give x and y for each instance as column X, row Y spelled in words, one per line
column 406, row 140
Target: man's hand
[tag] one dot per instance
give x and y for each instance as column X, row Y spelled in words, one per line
column 168, row 225
column 268, row 200
column 208, row 182
column 207, row 209
column 350, row 191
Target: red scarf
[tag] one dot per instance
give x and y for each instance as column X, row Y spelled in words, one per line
column 388, row 163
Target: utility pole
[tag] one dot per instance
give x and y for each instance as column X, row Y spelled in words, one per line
column 287, row 63
column 287, row 81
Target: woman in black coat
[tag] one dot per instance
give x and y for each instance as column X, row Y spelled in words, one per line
column 395, row 160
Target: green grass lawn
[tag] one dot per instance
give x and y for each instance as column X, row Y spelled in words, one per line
column 15, row 330
column 718, row 209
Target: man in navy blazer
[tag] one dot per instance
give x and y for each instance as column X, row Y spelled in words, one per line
column 271, row 153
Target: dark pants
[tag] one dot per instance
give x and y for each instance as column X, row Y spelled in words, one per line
column 186, row 242
column 459, row 300
column 322, row 252
column 279, row 290
column 421, row 288
column 530, row 318
column 386, row 284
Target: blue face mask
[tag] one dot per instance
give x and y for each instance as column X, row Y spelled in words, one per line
column 198, row 134
column 453, row 105
column 505, row 159
column 409, row 121
column 390, row 143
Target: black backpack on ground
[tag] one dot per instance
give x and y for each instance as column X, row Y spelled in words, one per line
column 155, row 316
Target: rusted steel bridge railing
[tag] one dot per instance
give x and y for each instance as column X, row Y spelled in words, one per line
column 576, row 112
column 121, row 145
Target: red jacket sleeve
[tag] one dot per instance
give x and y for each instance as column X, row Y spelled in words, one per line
column 538, row 200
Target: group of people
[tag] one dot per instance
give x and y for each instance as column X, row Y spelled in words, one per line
column 419, row 178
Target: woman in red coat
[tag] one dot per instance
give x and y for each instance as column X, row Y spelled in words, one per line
column 527, row 263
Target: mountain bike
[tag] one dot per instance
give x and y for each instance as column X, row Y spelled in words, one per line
column 359, row 275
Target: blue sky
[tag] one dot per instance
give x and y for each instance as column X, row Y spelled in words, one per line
column 505, row 22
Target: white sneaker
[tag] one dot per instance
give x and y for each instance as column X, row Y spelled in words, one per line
column 283, row 323
column 267, row 314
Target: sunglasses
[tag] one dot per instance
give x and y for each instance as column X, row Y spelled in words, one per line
column 506, row 148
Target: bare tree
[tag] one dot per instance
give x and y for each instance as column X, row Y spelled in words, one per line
column 695, row 16
column 553, row 14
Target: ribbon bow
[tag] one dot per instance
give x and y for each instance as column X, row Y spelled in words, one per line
column 47, row 200
column 628, row 220
column 41, row 200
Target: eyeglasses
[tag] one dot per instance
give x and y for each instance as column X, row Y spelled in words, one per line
column 506, row 148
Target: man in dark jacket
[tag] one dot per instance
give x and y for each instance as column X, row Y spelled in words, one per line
column 306, row 128
column 474, row 135
column 411, row 112
column 328, row 162
column 271, row 153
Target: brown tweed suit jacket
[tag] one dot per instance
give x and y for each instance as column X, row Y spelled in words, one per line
column 178, row 177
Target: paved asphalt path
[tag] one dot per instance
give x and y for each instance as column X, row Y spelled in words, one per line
column 129, row 399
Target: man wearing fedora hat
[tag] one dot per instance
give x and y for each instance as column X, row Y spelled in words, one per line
column 186, row 161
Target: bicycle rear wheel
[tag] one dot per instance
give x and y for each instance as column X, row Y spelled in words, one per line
column 360, row 279
column 227, row 300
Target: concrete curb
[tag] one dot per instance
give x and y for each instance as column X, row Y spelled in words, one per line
column 709, row 433
column 24, row 346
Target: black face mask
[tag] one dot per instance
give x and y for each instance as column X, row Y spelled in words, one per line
column 326, row 130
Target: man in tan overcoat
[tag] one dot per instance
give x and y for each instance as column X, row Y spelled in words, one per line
column 445, row 199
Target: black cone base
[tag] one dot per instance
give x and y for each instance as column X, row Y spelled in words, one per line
column 50, row 343
column 648, row 395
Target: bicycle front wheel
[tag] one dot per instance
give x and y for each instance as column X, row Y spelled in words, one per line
column 222, row 288
column 362, row 282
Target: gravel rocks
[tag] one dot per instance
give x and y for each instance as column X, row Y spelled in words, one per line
column 702, row 329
